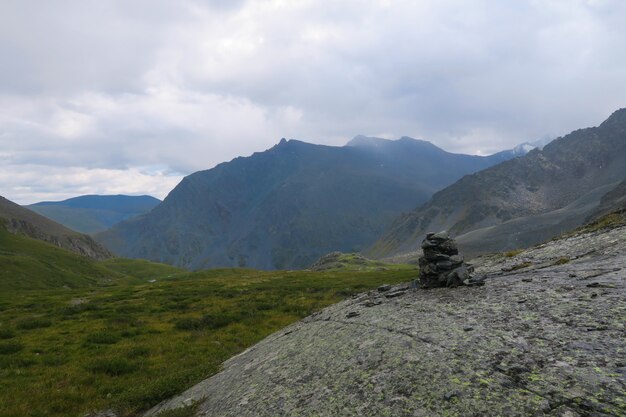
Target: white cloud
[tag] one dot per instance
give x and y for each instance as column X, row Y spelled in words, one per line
column 110, row 87
column 30, row 183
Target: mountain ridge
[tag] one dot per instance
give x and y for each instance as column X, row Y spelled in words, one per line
column 19, row 220
column 94, row 213
column 289, row 205
column 537, row 183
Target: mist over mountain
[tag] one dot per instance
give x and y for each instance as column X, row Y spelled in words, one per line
column 525, row 200
column 94, row 213
column 287, row 206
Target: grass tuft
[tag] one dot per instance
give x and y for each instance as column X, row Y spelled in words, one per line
column 112, row 366
column 30, row 323
column 513, row 253
column 6, row 333
column 102, row 337
column 8, row 348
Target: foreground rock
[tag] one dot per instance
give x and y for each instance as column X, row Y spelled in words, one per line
column 545, row 337
column 441, row 265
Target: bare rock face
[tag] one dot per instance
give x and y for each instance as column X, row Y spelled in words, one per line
column 545, row 338
column 441, row 265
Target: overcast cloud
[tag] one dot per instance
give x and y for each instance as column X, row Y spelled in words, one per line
column 129, row 96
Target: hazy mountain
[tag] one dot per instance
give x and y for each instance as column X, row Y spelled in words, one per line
column 520, row 150
column 287, row 206
column 19, row 220
column 524, row 200
column 94, row 213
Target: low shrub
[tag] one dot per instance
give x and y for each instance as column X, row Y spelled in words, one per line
column 6, row 333
column 9, row 348
column 102, row 337
column 209, row 321
column 112, row 366
column 30, row 323
column 138, row 351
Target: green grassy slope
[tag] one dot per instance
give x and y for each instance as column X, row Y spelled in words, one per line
column 78, row 335
column 337, row 261
column 30, row 264
column 27, row 263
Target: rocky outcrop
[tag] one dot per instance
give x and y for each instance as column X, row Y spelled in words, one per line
column 74, row 242
column 544, row 337
column 441, row 265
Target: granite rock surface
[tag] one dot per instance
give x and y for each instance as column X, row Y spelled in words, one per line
column 545, row 336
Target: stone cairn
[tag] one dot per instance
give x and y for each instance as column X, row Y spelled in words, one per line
column 441, row 265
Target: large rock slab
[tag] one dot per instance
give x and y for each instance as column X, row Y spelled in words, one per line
column 545, row 336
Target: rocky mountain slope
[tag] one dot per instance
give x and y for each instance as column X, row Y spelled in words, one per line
column 94, row 213
column 19, row 220
column 611, row 201
column 543, row 337
column 524, row 200
column 289, row 205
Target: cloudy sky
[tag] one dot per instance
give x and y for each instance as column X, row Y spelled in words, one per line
column 127, row 96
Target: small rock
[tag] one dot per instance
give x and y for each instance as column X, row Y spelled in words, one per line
column 527, row 280
column 395, row 293
column 450, row 395
column 600, row 285
column 352, row 314
column 468, row 329
column 385, row 287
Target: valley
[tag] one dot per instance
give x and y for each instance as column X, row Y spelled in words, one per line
column 78, row 335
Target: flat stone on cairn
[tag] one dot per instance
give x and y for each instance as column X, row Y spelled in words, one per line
column 441, row 265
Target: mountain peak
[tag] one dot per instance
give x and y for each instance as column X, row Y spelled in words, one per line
column 617, row 118
column 370, row 141
column 375, row 142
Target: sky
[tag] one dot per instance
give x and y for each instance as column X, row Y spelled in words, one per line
column 127, row 97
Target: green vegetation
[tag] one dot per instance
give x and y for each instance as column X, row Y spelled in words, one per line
column 521, row 266
column 513, row 253
column 611, row 220
column 27, row 263
column 337, row 261
column 614, row 219
column 127, row 334
column 562, row 261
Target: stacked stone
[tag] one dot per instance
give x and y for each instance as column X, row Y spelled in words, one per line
column 441, row 265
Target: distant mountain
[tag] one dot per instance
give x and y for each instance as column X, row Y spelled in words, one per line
column 289, row 205
column 95, row 213
column 522, row 201
column 19, row 220
column 521, row 149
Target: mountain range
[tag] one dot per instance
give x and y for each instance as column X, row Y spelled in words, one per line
column 94, row 213
column 287, row 206
column 21, row 221
column 523, row 201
